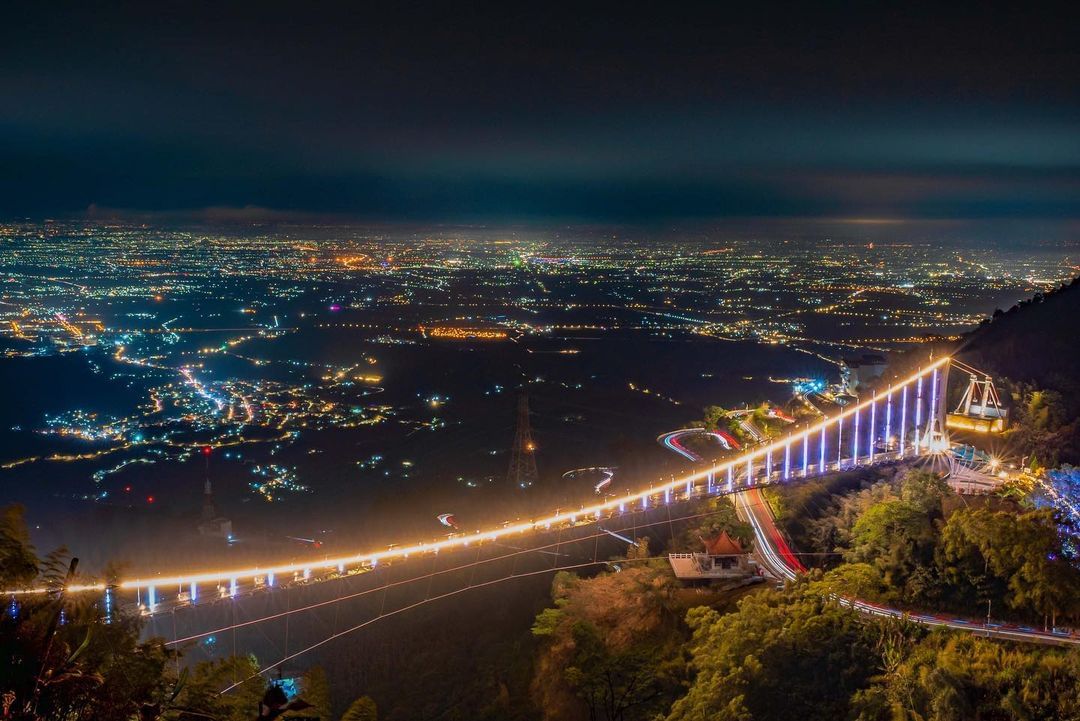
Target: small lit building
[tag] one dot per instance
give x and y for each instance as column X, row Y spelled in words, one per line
column 862, row 371
column 723, row 558
column 213, row 525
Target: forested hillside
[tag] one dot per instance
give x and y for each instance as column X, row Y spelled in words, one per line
column 1031, row 349
column 1035, row 341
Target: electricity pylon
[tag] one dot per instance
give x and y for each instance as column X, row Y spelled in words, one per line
column 522, row 472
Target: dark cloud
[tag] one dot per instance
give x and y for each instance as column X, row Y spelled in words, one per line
column 428, row 110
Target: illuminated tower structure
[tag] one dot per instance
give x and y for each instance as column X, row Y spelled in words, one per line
column 211, row 524
column 209, row 513
column 522, row 472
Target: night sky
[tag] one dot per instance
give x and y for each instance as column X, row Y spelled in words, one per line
column 454, row 111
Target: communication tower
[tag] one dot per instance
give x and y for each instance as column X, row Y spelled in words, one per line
column 522, row 472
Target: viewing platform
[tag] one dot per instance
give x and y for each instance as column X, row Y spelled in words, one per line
column 724, row 558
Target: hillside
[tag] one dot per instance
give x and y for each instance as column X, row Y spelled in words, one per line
column 1031, row 349
column 1034, row 341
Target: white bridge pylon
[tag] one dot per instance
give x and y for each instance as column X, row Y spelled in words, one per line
column 903, row 422
column 980, row 407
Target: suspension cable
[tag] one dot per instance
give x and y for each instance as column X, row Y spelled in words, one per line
column 318, row 604
column 448, row 594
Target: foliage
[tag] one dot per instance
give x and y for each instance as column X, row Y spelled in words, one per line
column 856, row 580
column 1019, row 554
column 898, row 538
column 950, row 676
column 784, row 654
column 763, row 418
column 611, row 646
column 819, row 515
column 18, row 564
column 1042, row 425
column 362, row 709
column 719, row 419
column 926, row 490
column 315, row 690
column 617, row 683
column 900, row 548
column 83, row 667
column 639, row 549
column 1060, row 491
column 547, row 622
column 890, row 526
column 202, row 693
column 795, row 654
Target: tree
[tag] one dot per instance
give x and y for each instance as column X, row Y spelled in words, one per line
column 611, row 646
column 639, row 549
column 18, row 564
column 82, row 668
column 1020, row 553
column 715, row 418
column 947, row 676
column 202, row 694
column 819, row 515
column 791, row 653
column 718, row 419
column 897, row 537
column 362, row 709
column 855, row 580
column 1042, row 424
column 894, row 529
column 1043, row 410
column 925, row 489
column 315, row 689
column 615, row 684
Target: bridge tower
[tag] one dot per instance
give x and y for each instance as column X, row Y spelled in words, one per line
column 980, row 408
column 522, row 472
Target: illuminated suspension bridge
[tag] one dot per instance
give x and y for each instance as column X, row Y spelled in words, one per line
column 903, row 422
column 233, row 610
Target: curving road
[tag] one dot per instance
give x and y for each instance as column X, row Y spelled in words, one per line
column 673, row 441
column 772, row 553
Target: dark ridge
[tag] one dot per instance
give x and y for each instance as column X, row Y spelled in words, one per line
column 1035, row 341
column 1032, row 350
